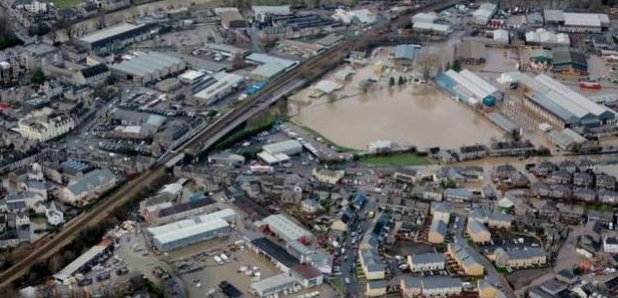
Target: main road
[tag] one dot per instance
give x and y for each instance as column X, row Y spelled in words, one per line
column 305, row 72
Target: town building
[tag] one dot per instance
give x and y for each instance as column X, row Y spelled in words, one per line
column 426, row 262
column 376, row 288
column 437, row 231
column 272, row 252
column 40, row 55
column 89, row 186
column 289, row 147
column 44, row 126
column 328, row 176
column 484, row 13
column 569, row 61
column 307, row 275
column 147, row 67
column 92, row 75
column 610, row 245
column 114, row 38
column 269, row 67
column 85, row 261
column 465, row 259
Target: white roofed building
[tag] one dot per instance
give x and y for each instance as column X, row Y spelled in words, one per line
column 286, row 229
column 225, row 84
column 484, row 13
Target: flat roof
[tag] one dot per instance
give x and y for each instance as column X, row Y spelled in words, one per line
column 109, row 32
column 282, row 146
column 582, row 19
column 224, row 81
column 268, row 283
column 191, row 230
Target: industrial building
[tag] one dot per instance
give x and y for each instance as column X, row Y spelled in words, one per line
column 112, row 39
column 147, row 67
column 85, row 262
column 286, row 229
column 276, row 254
column 434, row 28
column 405, row 53
column 269, row 66
column 186, row 232
column 546, row 38
column 468, row 87
column 559, row 105
column 167, row 214
column 225, row 84
column 289, row 147
column 274, row 285
column 569, row 61
column 191, row 76
column 484, row 13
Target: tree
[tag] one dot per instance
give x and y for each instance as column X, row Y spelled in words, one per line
column 456, row 65
column 55, row 263
column 401, row 80
column 447, row 66
column 37, row 77
column 391, row 82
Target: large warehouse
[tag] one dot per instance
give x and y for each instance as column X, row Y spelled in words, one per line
column 559, row 105
column 576, row 22
column 225, row 83
column 269, row 66
column 109, row 40
column 187, row 232
column 468, row 87
column 148, row 67
column 286, row 229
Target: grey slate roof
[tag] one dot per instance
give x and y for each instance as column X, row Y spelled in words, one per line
column 91, row 181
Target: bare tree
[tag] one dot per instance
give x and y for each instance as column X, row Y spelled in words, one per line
column 55, row 263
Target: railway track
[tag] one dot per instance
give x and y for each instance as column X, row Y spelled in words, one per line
column 308, row 70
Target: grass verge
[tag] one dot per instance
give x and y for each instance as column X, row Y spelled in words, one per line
column 329, row 142
column 66, row 3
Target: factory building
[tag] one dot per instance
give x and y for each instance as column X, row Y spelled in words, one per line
column 289, row 147
column 112, row 39
column 85, row 262
column 224, row 84
column 404, row 54
column 274, row 285
column 286, row 229
column 546, row 38
column 484, row 13
column 468, row 87
column 559, row 105
column 269, row 66
column 187, row 232
column 147, row 67
column 569, row 61
column 576, row 22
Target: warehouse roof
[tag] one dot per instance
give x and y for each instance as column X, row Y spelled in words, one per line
column 285, row 227
column 275, row 251
column 476, row 227
column 553, row 15
column 147, row 63
column 110, row 32
column 584, row 19
column 282, row 146
column 268, row 283
column 186, row 206
column 431, row 26
column 190, row 230
column 224, row 81
column 82, row 260
column 260, row 58
column 91, row 181
column 406, row 51
column 185, row 223
column 272, row 9
column 269, row 70
column 503, row 122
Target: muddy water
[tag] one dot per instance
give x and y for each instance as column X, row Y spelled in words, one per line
column 416, row 114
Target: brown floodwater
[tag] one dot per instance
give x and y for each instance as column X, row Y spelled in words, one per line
column 415, row 114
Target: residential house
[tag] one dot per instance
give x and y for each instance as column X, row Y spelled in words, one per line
column 110, row 5
column 437, row 231
column 503, row 171
column 544, row 168
column 605, row 181
column 520, row 258
column 559, row 177
column 560, row 191
column 441, row 211
column 430, row 286
column 568, row 165
column 376, row 288
column 472, row 152
column 478, row 232
column 426, row 262
column 583, row 179
column 571, row 213
column 465, row 259
column 328, row 176
column 610, row 245
column 585, row 194
column 310, row 206
column 603, row 217
column 458, row 195
column 89, row 186
column 499, row 220
column 372, row 266
column 608, row 196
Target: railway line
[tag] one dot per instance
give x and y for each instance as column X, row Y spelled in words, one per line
column 307, row 71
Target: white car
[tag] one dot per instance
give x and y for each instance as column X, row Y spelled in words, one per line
column 347, row 280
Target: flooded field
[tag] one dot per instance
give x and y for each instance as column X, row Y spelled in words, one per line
column 412, row 113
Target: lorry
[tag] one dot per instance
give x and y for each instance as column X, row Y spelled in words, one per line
column 218, row 260
column 225, row 258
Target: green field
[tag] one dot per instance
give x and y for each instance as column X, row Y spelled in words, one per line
column 66, row 3
column 403, row 159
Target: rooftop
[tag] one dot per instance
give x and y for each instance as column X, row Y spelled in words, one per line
column 109, row 32
column 147, row 63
